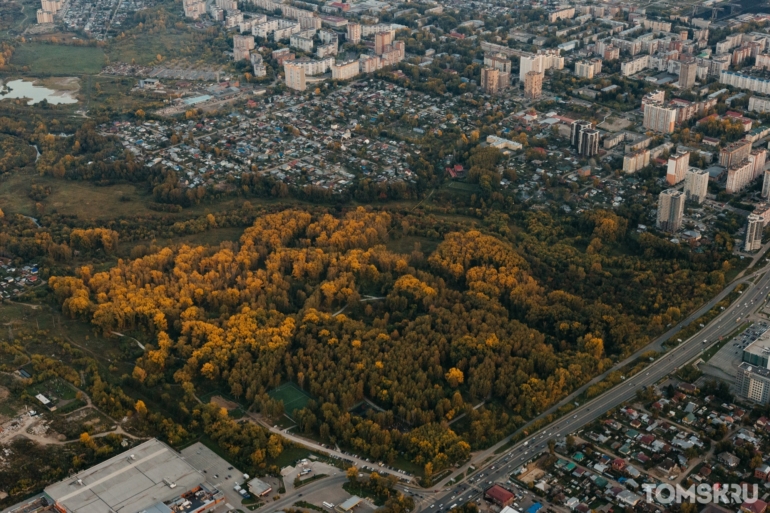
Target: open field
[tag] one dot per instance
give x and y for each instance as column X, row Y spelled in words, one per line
column 69, row 197
column 143, row 49
column 48, row 59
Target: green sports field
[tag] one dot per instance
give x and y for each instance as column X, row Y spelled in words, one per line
column 292, row 396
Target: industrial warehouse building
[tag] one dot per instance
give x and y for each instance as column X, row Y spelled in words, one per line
column 150, row 477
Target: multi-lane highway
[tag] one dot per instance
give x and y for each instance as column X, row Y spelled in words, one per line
column 500, row 467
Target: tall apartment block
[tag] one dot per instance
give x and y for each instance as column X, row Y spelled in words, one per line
column 687, row 74
column 584, row 138
column 670, row 210
column 533, row 85
column 659, row 118
column 754, row 228
column 242, row 47
column 295, row 76
column 766, row 184
column 734, row 153
column 490, row 80
column 354, row 33
column 193, row 8
column 696, row 184
column 739, row 176
column 678, row 164
column 381, row 40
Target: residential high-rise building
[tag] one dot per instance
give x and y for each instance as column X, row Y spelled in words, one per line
column 575, row 128
column 753, row 383
column 584, row 138
column 670, row 210
column 242, row 47
column 44, row 16
column 758, row 157
column 739, row 176
column 734, row 153
column 687, row 73
column 678, row 164
column 194, row 8
column 490, row 80
column 584, row 69
column 52, row 6
column 533, row 85
column 659, row 118
column 530, row 63
column 295, row 76
column 766, row 184
column 498, row 61
column 696, row 184
column 381, row 40
column 754, row 228
column 354, row 33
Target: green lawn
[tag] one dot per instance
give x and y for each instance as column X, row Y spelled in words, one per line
column 49, row 59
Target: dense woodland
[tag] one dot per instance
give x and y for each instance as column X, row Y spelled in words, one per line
column 517, row 313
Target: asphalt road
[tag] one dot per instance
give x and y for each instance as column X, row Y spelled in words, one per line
column 503, row 465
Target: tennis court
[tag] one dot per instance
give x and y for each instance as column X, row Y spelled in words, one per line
column 292, row 396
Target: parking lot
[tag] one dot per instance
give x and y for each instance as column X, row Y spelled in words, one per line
column 217, row 471
column 726, row 361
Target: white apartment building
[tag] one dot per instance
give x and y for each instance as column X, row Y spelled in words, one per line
column 634, row 66
column 370, row 30
column 696, row 184
column 633, row 162
column 326, row 50
column 752, row 83
column 759, row 104
column 263, row 30
column 588, row 69
column 540, row 62
column 313, row 67
column 285, row 29
column 303, row 40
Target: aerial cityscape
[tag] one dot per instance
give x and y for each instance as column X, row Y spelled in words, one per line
column 363, row 256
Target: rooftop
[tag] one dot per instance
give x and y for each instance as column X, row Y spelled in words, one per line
column 760, row 347
column 130, row 482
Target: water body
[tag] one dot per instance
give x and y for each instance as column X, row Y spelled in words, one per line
column 36, row 93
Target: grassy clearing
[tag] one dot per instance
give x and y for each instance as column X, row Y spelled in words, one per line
column 49, row 59
column 144, row 48
column 406, row 245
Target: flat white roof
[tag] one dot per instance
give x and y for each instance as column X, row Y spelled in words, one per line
column 130, row 482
